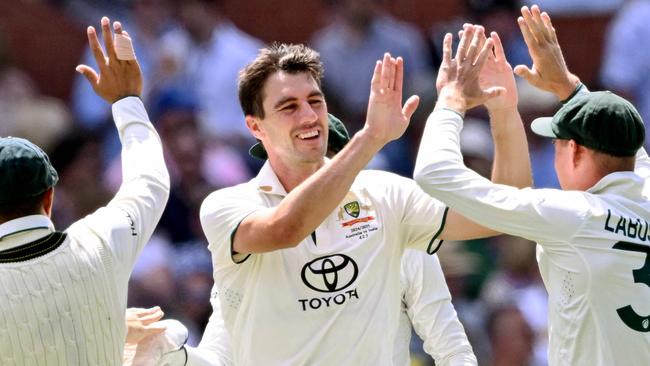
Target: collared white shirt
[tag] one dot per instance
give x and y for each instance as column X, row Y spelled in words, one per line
column 335, row 298
column 593, row 247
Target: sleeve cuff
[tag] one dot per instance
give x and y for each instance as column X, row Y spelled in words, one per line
column 129, row 110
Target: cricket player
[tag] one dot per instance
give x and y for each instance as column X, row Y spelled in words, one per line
column 64, row 292
column 307, row 255
column 593, row 245
column 426, row 307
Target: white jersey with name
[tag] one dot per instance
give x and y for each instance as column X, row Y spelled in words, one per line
column 593, row 247
column 63, row 294
column 335, row 298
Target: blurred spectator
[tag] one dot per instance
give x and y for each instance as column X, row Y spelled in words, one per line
column 511, row 338
column 192, row 173
column 147, row 21
column 78, row 159
column 213, row 52
column 626, row 66
column 356, row 37
column 25, row 111
column 517, row 282
column 535, row 103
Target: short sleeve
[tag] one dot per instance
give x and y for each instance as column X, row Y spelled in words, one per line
column 221, row 214
column 422, row 216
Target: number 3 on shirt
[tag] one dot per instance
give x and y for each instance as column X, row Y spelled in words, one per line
column 641, row 275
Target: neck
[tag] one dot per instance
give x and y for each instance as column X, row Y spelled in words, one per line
column 291, row 175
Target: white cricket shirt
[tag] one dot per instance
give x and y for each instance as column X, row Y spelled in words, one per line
column 335, row 298
column 63, row 295
column 593, row 247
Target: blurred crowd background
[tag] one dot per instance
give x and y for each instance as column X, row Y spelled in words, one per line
column 191, row 51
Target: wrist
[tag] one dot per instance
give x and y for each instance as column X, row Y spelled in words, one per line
column 370, row 140
column 449, row 100
column 567, row 89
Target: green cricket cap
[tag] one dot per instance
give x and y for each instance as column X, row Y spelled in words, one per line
column 601, row 121
column 25, row 170
column 337, row 138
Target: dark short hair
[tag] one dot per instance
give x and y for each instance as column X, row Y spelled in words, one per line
column 24, row 207
column 290, row 58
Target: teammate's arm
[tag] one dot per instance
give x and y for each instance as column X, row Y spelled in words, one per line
column 130, row 217
column 306, row 206
column 429, row 308
column 511, row 159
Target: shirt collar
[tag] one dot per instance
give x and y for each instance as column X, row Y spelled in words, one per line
column 627, row 184
column 267, row 181
column 24, row 224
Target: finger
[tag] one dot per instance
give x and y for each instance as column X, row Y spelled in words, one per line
column 385, row 71
column 156, row 328
column 95, row 47
column 410, row 106
column 529, row 38
column 399, row 76
column 117, row 27
column 473, row 51
column 153, row 310
column 446, row 49
column 485, row 51
column 89, row 74
column 535, row 23
column 530, row 24
column 539, row 24
column 107, row 35
column 376, row 76
column 546, row 19
column 499, row 53
column 391, row 74
column 150, row 318
column 463, row 45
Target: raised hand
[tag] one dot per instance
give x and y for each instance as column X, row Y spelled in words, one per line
column 458, row 77
column 387, row 119
column 142, row 323
column 498, row 72
column 549, row 71
column 117, row 78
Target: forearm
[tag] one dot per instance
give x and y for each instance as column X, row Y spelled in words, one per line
column 145, row 180
column 511, row 164
column 142, row 154
column 297, row 215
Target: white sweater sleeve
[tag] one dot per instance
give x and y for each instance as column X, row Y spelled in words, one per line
column 429, row 307
column 529, row 213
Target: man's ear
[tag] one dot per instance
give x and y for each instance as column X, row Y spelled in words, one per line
column 253, row 124
column 578, row 153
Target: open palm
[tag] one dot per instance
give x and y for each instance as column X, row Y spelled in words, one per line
column 498, row 72
column 387, row 119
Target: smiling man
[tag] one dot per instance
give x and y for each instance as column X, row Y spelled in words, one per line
column 307, row 255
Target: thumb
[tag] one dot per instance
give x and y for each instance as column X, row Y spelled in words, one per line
column 410, row 106
column 524, row 72
column 88, row 73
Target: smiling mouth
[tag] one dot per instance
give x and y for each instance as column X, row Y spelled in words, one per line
column 308, row 135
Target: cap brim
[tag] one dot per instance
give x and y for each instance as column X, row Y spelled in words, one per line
column 543, row 126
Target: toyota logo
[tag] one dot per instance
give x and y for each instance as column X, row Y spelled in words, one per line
column 330, row 273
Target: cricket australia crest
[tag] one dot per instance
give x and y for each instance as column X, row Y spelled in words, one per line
column 352, row 209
